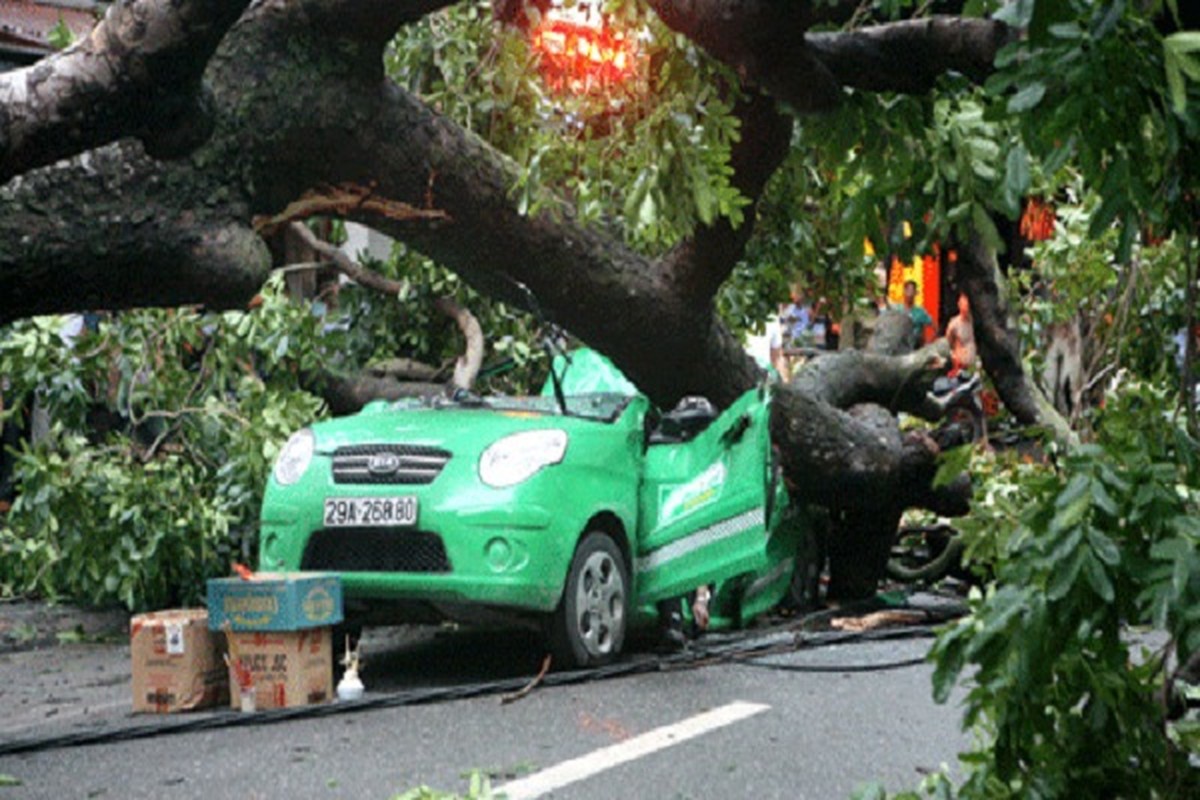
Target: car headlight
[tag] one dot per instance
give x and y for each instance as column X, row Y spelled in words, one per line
column 295, row 457
column 517, row 458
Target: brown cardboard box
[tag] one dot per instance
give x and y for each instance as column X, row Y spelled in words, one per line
column 289, row 668
column 177, row 663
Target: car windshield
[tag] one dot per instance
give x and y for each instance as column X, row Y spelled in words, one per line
column 600, row 406
column 603, row 406
column 593, row 388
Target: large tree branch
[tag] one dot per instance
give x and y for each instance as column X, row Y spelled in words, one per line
column 909, row 56
column 467, row 366
column 368, row 23
column 768, row 43
column 763, row 40
column 999, row 347
column 898, row 383
column 114, row 229
column 138, row 73
column 346, row 394
column 469, row 363
column 702, row 263
column 584, row 278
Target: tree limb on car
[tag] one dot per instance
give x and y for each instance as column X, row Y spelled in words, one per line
column 137, row 74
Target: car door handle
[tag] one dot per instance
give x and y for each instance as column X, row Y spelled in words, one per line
column 734, row 433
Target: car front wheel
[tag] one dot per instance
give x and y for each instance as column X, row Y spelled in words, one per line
column 588, row 629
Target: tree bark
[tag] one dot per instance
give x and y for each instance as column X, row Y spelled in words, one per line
column 303, row 118
column 115, row 229
column 768, row 44
column 866, row 58
column 466, row 368
column 137, row 74
column 346, row 394
column 999, row 347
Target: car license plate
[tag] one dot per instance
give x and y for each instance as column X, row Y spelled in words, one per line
column 360, row 512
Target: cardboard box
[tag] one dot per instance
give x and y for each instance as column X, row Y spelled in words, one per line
column 275, row 601
column 289, row 668
column 178, row 663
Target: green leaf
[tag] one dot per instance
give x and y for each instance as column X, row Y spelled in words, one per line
column 1184, row 41
column 1103, row 499
column 1063, row 578
column 870, row 791
column 1108, row 21
column 1180, row 575
column 1066, row 30
column 1028, row 97
column 985, row 227
column 1104, row 548
column 951, row 464
column 1098, row 578
column 60, row 36
column 1016, row 171
column 1069, row 517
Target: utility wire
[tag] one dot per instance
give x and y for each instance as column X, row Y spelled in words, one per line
column 739, row 648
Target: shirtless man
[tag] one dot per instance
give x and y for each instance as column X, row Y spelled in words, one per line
column 960, row 333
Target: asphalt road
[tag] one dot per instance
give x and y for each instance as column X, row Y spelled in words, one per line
column 754, row 732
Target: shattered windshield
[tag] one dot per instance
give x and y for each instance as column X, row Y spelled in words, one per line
column 599, row 406
column 603, row 406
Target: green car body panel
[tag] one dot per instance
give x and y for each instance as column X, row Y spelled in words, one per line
column 708, row 510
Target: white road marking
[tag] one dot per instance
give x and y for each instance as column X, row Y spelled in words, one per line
column 577, row 769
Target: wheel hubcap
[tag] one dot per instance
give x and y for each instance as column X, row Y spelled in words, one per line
column 599, row 604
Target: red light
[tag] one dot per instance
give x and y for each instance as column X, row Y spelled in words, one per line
column 582, row 58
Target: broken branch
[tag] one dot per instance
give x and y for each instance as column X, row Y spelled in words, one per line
column 343, row 200
column 513, row 697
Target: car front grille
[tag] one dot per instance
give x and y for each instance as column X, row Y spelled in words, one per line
column 375, row 550
column 388, row 463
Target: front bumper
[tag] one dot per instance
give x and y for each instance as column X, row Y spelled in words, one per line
column 471, row 544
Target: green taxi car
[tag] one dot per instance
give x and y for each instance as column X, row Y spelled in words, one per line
column 573, row 509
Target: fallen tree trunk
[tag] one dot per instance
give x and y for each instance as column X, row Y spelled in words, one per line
column 137, row 74
column 839, row 416
column 999, row 348
column 346, row 394
column 304, row 121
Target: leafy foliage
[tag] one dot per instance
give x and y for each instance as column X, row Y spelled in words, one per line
column 1085, row 561
column 651, row 153
column 163, row 425
column 1128, row 312
column 1089, row 85
column 373, row 327
column 479, row 788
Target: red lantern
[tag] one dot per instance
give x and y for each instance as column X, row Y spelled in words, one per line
column 580, row 53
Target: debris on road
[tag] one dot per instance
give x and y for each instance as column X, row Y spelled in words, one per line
column 279, row 628
column 529, row 687
column 879, row 619
column 176, row 662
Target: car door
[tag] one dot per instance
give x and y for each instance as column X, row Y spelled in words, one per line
column 702, row 507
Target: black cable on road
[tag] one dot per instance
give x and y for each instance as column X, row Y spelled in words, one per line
column 828, row 668
column 715, row 649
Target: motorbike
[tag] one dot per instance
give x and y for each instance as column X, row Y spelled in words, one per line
column 958, row 398
column 929, row 552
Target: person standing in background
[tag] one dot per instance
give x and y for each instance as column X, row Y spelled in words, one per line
column 919, row 316
column 960, row 334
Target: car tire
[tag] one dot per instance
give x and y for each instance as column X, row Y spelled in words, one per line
column 588, row 629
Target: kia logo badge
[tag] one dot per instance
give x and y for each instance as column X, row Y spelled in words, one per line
column 383, row 463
